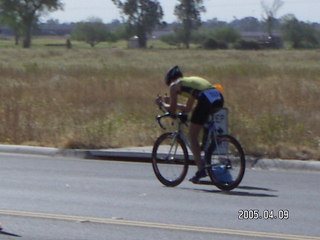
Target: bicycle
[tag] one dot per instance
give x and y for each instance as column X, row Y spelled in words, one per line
column 223, row 155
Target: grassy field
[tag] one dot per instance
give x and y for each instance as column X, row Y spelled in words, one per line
column 105, row 97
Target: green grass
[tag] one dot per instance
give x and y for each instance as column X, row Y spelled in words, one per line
column 104, row 97
column 41, row 42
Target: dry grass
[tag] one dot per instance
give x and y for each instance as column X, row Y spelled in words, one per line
column 104, row 97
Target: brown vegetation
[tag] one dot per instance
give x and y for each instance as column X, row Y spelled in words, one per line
column 104, row 97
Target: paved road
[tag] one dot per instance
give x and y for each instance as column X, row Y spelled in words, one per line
column 52, row 198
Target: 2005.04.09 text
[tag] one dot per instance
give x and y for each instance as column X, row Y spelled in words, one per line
column 255, row 214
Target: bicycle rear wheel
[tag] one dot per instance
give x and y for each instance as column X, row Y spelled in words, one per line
column 170, row 159
column 226, row 162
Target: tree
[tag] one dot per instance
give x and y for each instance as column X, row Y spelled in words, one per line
column 9, row 18
column 226, row 34
column 23, row 15
column 188, row 13
column 270, row 13
column 142, row 17
column 300, row 34
column 247, row 24
column 92, row 32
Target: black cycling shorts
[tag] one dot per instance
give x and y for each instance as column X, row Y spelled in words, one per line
column 204, row 107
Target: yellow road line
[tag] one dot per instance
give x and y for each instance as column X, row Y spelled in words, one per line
column 158, row 225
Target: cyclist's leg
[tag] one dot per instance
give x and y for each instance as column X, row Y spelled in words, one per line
column 194, row 144
column 199, row 117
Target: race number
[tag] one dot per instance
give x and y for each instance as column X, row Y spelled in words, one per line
column 221, row 122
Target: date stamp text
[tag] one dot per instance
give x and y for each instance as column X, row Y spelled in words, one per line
column 267, row 214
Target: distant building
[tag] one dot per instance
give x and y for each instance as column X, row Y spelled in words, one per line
column 133, row 42
column 266, row 41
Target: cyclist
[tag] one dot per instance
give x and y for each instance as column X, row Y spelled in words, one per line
column 209, row 100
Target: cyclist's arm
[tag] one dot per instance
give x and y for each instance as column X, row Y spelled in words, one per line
column 173, row 100
column 186, row 107
column 173, row 104
column 181, row 107
column 170, row 103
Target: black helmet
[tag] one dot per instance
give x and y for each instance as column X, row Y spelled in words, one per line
column 173, row 74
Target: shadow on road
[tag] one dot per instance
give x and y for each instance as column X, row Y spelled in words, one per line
column 236, row 192
column 257, row 188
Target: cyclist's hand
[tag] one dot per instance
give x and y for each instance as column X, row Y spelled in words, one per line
column 166, row 99
column 159, row 101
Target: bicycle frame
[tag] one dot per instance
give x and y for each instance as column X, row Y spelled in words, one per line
column 179, row 132
column 213, row 133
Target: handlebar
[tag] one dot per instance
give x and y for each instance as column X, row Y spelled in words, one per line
column 161, row 107
column 181, row 116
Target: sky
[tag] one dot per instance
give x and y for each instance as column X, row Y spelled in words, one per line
column 224, row 10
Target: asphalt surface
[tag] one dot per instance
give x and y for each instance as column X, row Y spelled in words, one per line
column 69, row 198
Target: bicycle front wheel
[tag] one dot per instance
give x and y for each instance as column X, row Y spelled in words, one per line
column 226, row 162
column 170, row 159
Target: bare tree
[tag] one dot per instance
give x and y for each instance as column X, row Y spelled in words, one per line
column 270, row 12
